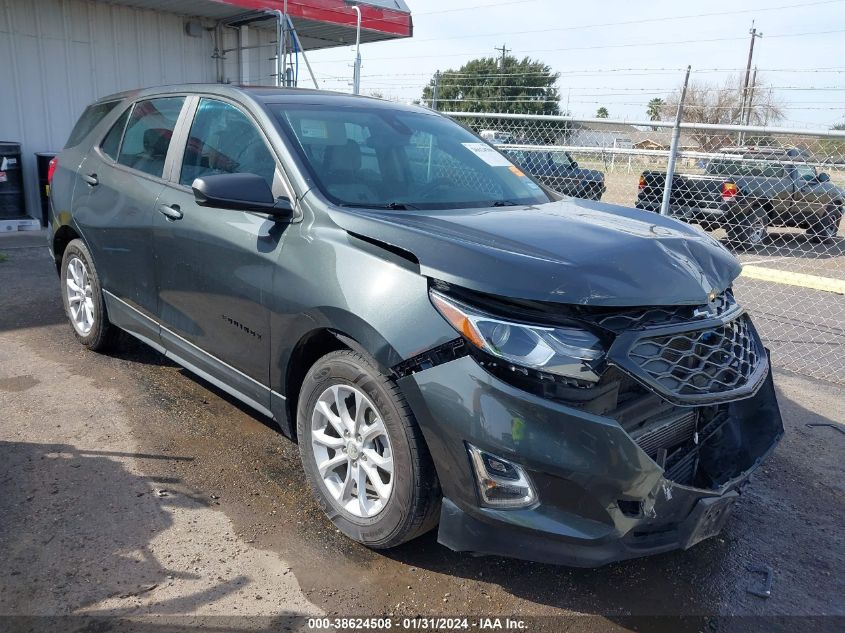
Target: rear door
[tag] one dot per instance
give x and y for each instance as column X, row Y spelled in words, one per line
column 809, row 199
column 215, row 266
column 120, row 181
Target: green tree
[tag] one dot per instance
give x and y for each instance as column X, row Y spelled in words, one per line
column 602, row 113
column 485, row 85
column 655, row 109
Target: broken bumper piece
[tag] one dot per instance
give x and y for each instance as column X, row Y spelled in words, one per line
column 600, row 497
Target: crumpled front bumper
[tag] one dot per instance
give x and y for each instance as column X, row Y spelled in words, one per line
column 600, row 497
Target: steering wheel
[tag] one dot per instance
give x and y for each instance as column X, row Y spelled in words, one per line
column 434, row 186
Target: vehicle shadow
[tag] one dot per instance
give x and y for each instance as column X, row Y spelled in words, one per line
column 76, row 529
column 134, row 351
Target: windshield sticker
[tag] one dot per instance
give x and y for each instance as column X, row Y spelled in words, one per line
column 516, row 171
column 313, row 129
column 487, row 154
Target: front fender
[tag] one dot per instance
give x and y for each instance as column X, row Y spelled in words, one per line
column 334, row 281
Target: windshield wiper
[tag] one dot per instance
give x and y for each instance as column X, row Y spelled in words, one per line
column 392, row 206
column 505, row 203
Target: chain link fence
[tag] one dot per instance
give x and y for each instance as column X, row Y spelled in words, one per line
column 772, row 196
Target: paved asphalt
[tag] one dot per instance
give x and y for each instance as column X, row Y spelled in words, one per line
column 132, row 488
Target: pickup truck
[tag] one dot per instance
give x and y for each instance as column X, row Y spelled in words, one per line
column 747, row 191
column 558, row 171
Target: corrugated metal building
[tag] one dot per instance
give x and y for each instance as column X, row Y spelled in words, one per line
column 57, row 56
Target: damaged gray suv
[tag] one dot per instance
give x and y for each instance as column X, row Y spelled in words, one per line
column 448, row 341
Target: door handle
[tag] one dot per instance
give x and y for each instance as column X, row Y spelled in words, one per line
column 91, row 179
column 171, row 211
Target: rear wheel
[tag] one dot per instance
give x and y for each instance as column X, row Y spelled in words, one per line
column 826, row 227
column 82, row 298
column 749, row 230
column 364, row 454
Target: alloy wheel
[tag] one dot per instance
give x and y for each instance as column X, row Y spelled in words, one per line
column 80, row 299
column 352, row 450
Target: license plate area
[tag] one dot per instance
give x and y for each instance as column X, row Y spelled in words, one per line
column 707, row 518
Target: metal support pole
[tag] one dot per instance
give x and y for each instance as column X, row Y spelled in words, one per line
column 673, row 148
column 356, row 75
column 279, row 63
column 295, row 36
column 435, row 90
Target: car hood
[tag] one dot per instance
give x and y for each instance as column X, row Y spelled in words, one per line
column 569, row 251
column 589, row 175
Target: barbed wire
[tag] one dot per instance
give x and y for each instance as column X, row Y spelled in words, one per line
column 582, row 27
column 698, row 41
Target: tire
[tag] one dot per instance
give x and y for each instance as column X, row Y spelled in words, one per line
column 826, row 227
column 412, row 506
column 85, row 308
column 748, row 231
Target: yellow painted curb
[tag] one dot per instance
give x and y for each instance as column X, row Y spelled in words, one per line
column 826, row 284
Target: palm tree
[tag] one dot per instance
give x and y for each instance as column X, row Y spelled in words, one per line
column 654, row 108
column 602, row 113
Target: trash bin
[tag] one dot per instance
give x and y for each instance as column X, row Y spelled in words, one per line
column 42, row 160
column 12, row 203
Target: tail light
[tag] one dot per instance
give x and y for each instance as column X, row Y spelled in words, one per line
column 729, row 191
column 51, row 169
column 642, row 183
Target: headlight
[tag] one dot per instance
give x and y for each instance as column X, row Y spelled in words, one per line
column 564, row 351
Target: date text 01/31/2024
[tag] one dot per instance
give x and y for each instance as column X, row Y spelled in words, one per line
column 415, row 624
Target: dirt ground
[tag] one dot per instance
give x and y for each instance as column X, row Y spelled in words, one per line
column 131, row 488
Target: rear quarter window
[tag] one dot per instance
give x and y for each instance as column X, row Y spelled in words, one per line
column 88, row 121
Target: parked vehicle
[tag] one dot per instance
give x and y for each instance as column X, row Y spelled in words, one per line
column 558, row 171
column 447, row 342
column 497, row 137
column 746, row 194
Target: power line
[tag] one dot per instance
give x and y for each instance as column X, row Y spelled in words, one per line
column 494, row 5
column 632, row 22
column 606, row 46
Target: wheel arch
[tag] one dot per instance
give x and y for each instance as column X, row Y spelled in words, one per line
column 348, row 333
column 63, row 236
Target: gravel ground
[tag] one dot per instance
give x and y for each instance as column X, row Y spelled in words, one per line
column 132, row 488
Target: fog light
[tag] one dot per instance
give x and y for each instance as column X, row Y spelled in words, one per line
column 501, row 484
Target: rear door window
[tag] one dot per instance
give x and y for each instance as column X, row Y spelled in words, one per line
column 148, row 134
column 88, row 121
column 223, row 140
column 111, row 144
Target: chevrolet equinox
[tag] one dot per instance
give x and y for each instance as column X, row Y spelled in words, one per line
column 450, row 343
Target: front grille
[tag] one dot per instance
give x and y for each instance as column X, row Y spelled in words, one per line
column 640, row 318
column 710, row 361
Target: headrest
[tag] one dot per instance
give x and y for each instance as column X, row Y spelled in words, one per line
column 156, row 141
column 344, row 157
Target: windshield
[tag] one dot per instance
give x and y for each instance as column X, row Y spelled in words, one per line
column 742, row 167
column 540, row 160
column 381, row 158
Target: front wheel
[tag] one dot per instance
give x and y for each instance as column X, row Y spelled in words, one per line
column 364, row 454
column 749, row 230
column 82, row 298
column 826, row 227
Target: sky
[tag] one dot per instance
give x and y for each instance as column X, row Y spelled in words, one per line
column 619, row 53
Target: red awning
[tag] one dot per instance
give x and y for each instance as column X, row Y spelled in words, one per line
column 382, row 22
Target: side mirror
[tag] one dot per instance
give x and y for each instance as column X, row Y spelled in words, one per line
column 823, row 177
column 574, row 164
column 240, row 192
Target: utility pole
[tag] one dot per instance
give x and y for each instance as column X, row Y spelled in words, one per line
column 504, row 51
column 435, row 90
column 744, row 96
column 750, row 106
